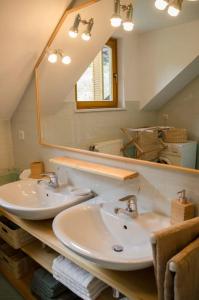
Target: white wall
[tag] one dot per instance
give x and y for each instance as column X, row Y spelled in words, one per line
column 128, row 66
column 6, row 147
column 97, row 126
column 163, row 55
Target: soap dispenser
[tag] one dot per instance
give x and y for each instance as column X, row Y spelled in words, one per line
column 181, row 209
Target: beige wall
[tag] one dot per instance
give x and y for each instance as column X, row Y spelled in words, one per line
column 183, row 110
column 6, row 147
column 25, row 29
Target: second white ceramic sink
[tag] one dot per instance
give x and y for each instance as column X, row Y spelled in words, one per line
column 112, row 241
column 29, row 200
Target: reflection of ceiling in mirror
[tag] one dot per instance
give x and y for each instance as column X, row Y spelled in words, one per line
column 57, row 80
column 147, row 17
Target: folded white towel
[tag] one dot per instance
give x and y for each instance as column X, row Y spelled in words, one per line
column 97, row 284
column 77, row 290
column 70, row 269
column 93, row 285
column 76, row 279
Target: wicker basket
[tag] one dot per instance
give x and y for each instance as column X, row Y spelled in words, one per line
column 14, row 261
column 13, row 234
column 175, row 135
column 150, row 145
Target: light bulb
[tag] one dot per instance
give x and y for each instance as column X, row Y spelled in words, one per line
column 52, row 58
column 173, row 11
column 73, row 33
column 86, row 36
column 161, row 4
column 116, row 21
column 66, row 60
column 128, row 25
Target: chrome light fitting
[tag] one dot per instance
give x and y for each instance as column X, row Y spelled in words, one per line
column 174, row 6
column 116, row 19
column 54, row 55
column 74, row 30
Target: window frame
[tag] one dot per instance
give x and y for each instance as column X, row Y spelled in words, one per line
column 112, row 43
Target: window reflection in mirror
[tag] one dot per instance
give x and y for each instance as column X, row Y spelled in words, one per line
column 97, row 87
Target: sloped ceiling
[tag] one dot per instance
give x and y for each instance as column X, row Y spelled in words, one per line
column 25, row 27
column 188, row 74
column 164, row 55
column 148, row 18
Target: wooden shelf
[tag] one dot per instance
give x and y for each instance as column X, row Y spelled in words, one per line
column 135, row 285
column 42, row 255
column 99, row 169
column 22, row 284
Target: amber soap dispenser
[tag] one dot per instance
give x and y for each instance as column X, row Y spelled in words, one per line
column 182, row 209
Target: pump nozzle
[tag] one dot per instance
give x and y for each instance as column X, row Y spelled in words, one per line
column 182, row 196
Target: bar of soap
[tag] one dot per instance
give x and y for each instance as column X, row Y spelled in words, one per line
column 80, row 191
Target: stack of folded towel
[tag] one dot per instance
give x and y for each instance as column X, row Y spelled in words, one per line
column 47, row 288
column 76, row 279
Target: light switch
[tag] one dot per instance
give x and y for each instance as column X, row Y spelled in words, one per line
column 165, row 117
column 21, row 135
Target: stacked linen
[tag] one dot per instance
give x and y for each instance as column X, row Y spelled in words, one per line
column 81, row 282
column 46, row 287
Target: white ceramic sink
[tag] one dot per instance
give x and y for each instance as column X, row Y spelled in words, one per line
column 29, row 200
column 97, row 233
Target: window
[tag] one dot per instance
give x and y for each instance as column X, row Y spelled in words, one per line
column 97, row 87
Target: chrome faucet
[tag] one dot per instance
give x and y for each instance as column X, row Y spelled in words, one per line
column 131, row 209
column 52, row 179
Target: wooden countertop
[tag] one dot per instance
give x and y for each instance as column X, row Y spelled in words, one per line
column 136, row 285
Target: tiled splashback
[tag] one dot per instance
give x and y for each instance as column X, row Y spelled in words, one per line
column 155, row 188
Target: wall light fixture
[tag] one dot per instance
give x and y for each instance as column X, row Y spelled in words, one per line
column 54, row 55
column 116, row 19
column 174, row 6
column 74, row 30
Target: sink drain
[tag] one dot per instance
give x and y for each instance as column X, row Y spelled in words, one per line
column 117, row 248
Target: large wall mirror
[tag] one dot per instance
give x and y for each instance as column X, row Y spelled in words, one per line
column 127, row 93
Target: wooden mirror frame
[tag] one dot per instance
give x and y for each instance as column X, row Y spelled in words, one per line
column 81, row 151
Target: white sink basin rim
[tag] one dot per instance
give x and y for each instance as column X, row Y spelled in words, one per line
column 29, row 200
column 112, row 241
